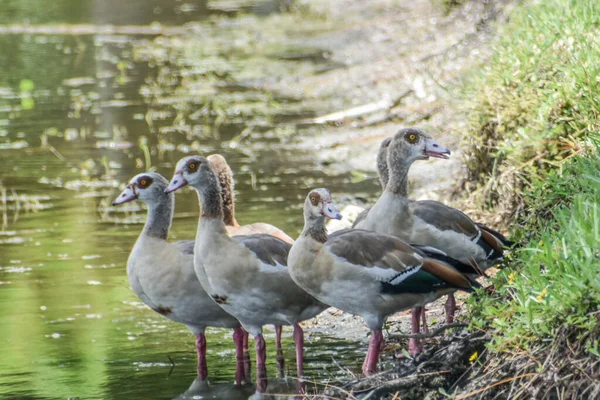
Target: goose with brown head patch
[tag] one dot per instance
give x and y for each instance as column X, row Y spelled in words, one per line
column 227, row 183
column 161, row 273
column 249, row 272
column 366, row 273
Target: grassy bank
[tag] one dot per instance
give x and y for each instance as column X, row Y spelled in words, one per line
column 532, row 158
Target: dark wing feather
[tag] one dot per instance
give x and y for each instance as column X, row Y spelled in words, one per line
column 400, row 267
column 506, row 242
column 267, row 248
column 436, row 254
column 185, row 246
column 444, row 218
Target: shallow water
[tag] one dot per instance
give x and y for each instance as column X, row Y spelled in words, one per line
column 79, row 116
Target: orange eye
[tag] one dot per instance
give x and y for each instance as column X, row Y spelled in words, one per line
column 144, row 182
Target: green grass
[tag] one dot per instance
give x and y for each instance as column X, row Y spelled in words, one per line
column 532, row 157
column 536, row 103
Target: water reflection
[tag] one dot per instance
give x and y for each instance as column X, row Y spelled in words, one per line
column 79, row 115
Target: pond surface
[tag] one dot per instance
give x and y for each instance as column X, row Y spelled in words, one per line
column 79, row 116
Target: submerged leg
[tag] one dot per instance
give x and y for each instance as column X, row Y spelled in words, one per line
column 414, row 345
column 450, row 308
column 240, row 370
column 280, row 360
column 201, row 349
column 261, row 367
column 373, row 353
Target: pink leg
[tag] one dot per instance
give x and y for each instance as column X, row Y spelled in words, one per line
column 424, row 320
column 414, row 345
column 261, row 368
column 279, row 359
column 238, row 339
column 366, row 361
column 247, row 363
column 201, row 349
column 299, row 340
column 450, row 308
column 373, row 353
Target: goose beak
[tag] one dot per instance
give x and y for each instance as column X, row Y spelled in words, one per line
column 177, row 182
column 129, row 194
column 330, row 211
column 432, row 149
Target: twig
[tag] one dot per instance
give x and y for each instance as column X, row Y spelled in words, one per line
column 428, row 335
column 172, row 365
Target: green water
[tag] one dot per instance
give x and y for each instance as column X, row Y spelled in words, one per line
column 73, row 112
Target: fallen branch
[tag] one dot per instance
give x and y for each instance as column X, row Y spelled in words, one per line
column 359, row 111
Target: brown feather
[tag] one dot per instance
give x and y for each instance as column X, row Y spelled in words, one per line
column 492, row 241
column 446, row 273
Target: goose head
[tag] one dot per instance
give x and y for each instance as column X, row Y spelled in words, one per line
column 146, row 187
column 412, row 144
column 318, row 204
column 192, row 171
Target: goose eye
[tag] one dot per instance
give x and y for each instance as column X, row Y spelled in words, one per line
column 192, row 166
column 144, row 182
column 314, row 200
column 412, row 137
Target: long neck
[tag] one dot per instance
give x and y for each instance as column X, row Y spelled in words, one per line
column 228, row 198
column 382, row 171
column 209, row 195
column 398, row 174
column 160, row 216
column 314, row 227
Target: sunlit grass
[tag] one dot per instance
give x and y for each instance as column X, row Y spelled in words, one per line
column 533, row 159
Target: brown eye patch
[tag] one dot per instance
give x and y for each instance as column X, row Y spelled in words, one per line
column 314, row 198
column 144, row 181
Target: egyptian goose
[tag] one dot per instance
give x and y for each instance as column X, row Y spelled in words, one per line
column 161, row 273
column 427, row 222
column 225, row 176
column 366, row 273
column 246, row 275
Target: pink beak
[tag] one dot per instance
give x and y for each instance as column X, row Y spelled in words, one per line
column 330, row 211
column 432, row 149
column 177, row 182
column 129, row 194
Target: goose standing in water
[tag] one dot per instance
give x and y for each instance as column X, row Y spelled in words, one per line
column 162, row 273
column 366, row 273
column 426, row 222
column 225, row 176
column 246, row 275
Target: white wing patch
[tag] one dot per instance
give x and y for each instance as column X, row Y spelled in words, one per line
column 430, row 250
column 392, row 276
